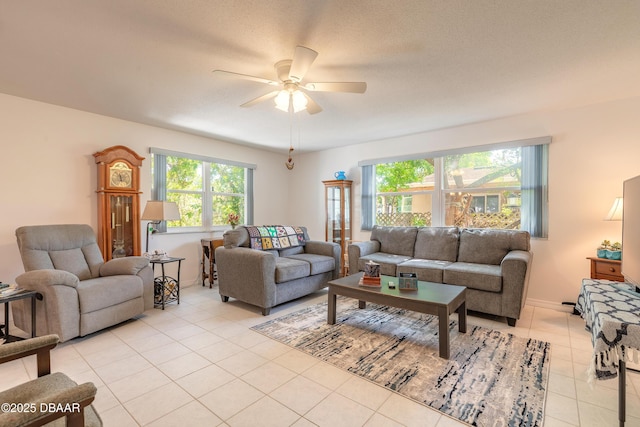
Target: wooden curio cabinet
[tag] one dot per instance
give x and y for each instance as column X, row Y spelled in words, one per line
column 337, row 195
column 118, row 202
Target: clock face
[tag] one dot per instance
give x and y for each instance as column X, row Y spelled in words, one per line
column 120, row 175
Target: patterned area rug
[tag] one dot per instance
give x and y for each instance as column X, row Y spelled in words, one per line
column 492, row 378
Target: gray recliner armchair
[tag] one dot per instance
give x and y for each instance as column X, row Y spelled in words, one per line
column 81, row 293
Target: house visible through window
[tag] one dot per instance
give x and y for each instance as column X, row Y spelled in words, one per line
column 503, row 187
column 206, row 189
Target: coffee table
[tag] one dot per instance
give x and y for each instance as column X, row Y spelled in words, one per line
column 430, row 298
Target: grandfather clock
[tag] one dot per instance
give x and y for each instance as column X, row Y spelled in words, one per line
column 118, row 201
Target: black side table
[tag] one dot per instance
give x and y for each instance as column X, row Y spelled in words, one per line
column 165, row 289
column 18, row 295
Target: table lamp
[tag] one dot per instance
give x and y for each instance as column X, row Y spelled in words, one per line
column 157, row 211
column 615, row 213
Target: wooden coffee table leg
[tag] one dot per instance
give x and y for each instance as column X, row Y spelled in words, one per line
column 443, row 327
column 462, row 317
column 362, row 304
column 331, row 308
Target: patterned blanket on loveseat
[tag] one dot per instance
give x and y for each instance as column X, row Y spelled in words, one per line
column 267, row 237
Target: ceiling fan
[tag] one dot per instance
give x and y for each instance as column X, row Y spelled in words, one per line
column 291, row 93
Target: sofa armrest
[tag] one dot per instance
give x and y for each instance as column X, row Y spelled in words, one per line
column 39, row 346
column 130, row 265
column 40, row 280
column 321, row 248
column 57, row 391
column 58, row 312
column 330, row 249
column 360, row 249
column 516, row 268
column 247, row 274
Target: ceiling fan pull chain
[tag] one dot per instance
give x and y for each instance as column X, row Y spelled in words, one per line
column 289, row 163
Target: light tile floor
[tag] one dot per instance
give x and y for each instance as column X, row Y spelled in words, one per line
column 199, row 364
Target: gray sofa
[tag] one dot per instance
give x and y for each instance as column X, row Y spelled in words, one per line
column 268, row 276
column 494, row 265
column 81, row 293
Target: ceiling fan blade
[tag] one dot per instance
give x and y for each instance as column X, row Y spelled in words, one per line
column 230, row 74
column 312, row 106
column 302, row 60
column 351, row 87
column 260, row 99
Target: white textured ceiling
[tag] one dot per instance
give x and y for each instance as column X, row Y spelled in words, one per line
column 428, row 64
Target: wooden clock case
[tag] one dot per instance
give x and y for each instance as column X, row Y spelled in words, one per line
column 118, row 201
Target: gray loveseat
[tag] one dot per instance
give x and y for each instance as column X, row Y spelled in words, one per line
column 494, row 265
column 81, row 293
column 268, row 275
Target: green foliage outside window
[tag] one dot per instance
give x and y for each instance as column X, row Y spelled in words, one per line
column 186, row 183
column 474, row 185
column 227, row 186
column 184, row 187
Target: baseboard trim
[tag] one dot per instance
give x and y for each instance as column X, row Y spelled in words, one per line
column 553, row 305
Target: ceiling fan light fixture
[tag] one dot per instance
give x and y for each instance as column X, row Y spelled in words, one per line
column 299, row 101
column 282, row 100
column 286, row 100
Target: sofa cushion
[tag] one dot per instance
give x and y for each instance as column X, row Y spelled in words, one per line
column 96, row 294
column 437, row 243
column 290, row 251
column 388, row 262
column 291, row 269
column 487, row 246
column 483, row 277
column 319, row 263
column 71, row 260
column 426, row 270
column 395, row 240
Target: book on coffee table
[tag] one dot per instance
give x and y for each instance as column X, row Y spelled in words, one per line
column 374, row 282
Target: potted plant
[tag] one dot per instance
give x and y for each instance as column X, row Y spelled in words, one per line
column 615, row 252
column 602, row 249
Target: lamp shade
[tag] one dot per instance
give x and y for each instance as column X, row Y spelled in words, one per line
column 615, row 213
column 157, row 210
column 286, row 101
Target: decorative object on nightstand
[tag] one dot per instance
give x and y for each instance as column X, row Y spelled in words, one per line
column 338, row 213
column 608, row 269
column 156, row 211
column 166, row 289
column 118, row 202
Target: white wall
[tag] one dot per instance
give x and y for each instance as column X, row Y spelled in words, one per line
column 48, row 174
column 594, row 149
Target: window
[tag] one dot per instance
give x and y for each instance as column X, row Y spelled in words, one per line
column 476, row 186
column 206, row 189
column 503, row 186
column 402, row 198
